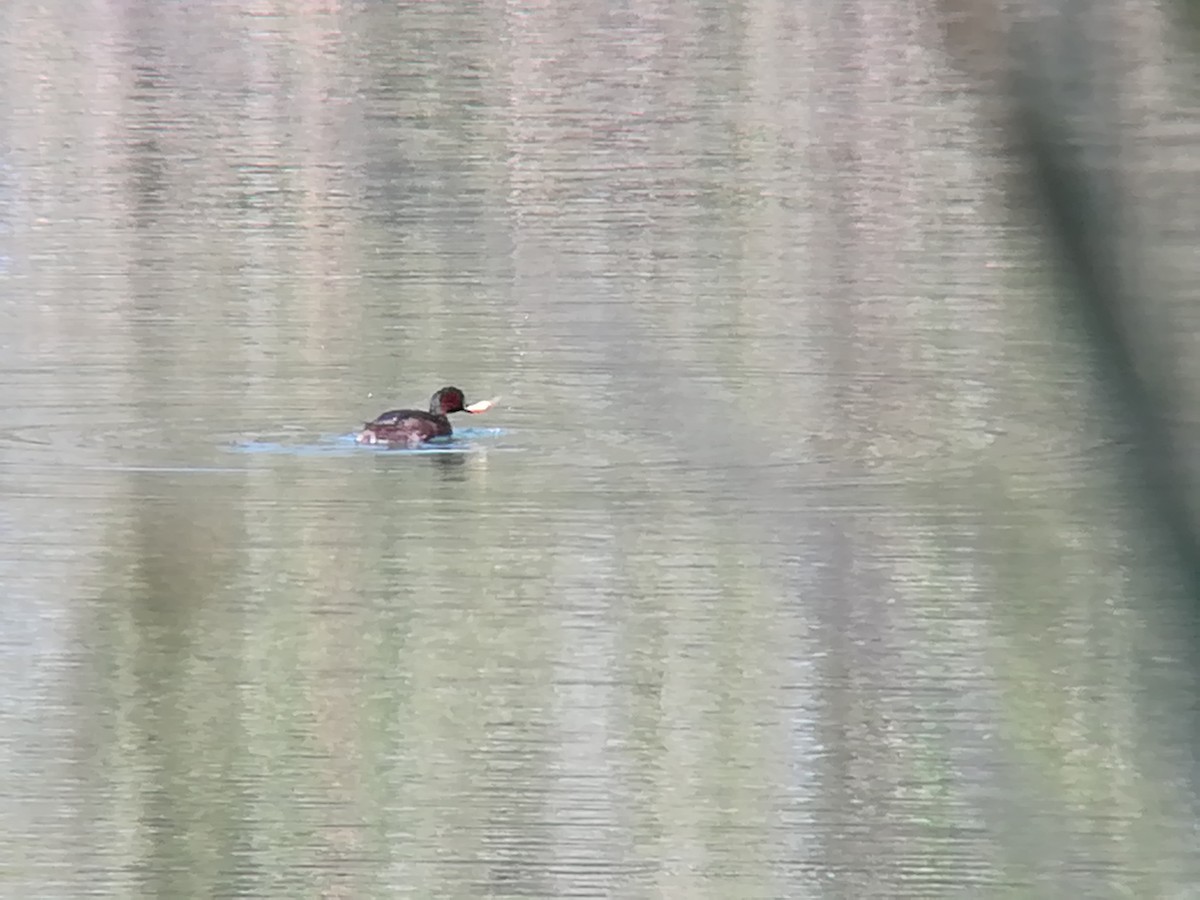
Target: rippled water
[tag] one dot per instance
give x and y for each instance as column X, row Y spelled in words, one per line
column 795, row 561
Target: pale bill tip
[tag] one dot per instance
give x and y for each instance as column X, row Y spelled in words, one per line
column 481, row 405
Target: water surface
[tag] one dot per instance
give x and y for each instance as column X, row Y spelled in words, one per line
column 796, row 561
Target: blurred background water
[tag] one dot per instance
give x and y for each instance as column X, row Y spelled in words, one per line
column 797, row 560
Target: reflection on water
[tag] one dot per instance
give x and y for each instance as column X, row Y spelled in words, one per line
column 796, row 562
column 464, row 440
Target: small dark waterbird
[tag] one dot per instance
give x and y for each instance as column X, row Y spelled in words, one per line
column 413, row 427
